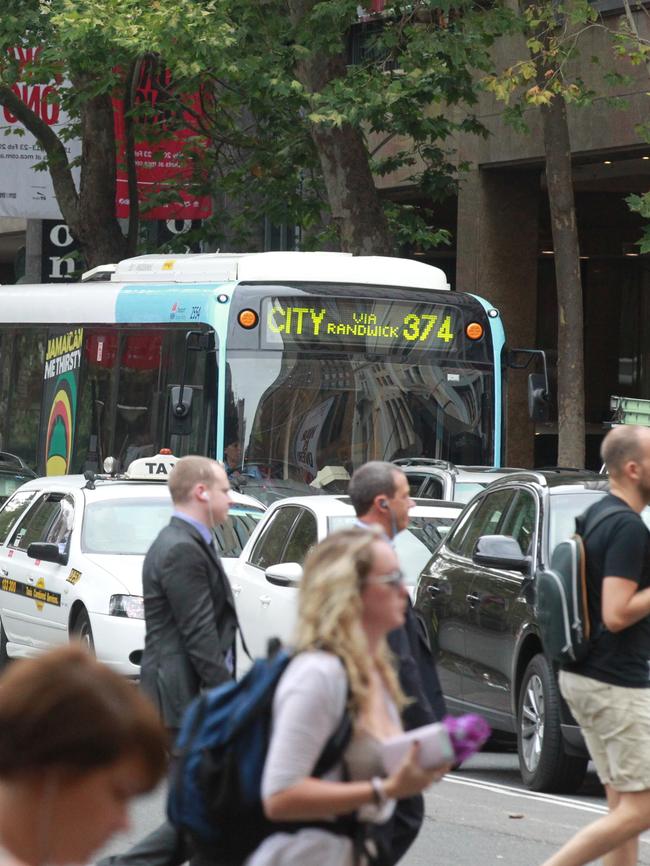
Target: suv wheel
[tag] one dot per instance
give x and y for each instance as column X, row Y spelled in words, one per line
column 543, row 761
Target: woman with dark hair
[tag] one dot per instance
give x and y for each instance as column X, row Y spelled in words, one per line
column 77, row 742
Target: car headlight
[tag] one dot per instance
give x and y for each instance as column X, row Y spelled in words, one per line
column 127, row 605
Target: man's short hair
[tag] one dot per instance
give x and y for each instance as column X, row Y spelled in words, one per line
column 369, row 481
column 621, row 445
column 187, row 473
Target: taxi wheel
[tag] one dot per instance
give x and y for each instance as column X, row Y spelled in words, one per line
column 83, row 632
column 4, row 656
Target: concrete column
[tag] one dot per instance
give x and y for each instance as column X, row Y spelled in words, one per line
column 33, row 251
column 497, row 259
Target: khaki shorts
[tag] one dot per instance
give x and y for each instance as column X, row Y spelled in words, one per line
column 615, row 722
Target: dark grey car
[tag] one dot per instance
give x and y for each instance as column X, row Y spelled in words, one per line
column 476, row 599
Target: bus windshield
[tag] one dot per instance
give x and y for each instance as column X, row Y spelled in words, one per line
column 315, row 418
column 337, row 376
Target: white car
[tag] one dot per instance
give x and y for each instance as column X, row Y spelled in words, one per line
column 71, row 552
column 268, row 571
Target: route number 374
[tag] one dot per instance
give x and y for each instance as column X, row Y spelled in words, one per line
column 420, row 327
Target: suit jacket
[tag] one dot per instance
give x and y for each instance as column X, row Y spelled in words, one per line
column 190, row 620
column 417, row 672
column 419, row 680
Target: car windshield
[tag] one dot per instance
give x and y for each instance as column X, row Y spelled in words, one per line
column 466, row 490
column 565, row 507
column 129, row 526
column 414, row 546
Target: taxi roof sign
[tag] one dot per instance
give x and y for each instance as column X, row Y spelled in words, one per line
column 155, row 468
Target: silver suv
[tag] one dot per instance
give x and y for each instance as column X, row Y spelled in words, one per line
column 438, row 479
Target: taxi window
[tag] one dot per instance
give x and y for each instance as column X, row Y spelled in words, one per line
column 12, row 510
column 37, row 522
column 124, row 526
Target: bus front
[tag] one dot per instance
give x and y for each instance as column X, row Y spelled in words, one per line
column 322, row 377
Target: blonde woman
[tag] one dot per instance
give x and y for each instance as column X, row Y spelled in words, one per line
column 352, row 594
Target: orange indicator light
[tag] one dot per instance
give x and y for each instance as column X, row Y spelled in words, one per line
column 248, row 319
column 474, row 331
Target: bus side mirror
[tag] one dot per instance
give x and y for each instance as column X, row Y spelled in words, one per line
column 180, row 410
column 538, row 402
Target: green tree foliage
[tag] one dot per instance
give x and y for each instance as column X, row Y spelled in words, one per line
column 293, row 130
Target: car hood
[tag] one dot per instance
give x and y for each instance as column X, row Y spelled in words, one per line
column 127, row 570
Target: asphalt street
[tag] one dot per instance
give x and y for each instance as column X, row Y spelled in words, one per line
column 478, row 816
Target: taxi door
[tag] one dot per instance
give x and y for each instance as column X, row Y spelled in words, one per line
column 34, row 612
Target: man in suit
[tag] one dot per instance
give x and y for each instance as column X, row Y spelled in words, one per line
column 189, row 609
column 190, row 620
column 379, row 492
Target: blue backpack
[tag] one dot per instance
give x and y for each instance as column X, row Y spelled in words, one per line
column 216, row 777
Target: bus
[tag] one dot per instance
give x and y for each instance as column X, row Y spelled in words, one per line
column 293, row 367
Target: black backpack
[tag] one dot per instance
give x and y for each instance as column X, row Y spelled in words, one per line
column 561, row 605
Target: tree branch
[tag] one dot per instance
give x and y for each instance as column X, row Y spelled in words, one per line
column 57, row 158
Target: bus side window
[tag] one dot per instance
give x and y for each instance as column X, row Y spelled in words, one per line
column 22, row 359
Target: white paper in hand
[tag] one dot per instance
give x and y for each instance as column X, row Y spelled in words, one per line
column 436, row 749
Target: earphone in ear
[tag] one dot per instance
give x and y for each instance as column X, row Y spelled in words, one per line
column 383, row 504
column 205, row 496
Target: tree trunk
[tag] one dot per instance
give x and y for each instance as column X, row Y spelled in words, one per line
column 570, row 337
column 96, row 228
column 90, row 213
column 354, row 202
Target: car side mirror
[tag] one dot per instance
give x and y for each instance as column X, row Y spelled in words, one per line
column 501, row 551
column 284, row 574
column 47, row 553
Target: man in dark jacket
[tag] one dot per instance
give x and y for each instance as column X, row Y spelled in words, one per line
column 190, row 620
column 189, row 609
column 380, row 495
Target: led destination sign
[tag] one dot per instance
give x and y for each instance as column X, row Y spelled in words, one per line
column 374, row 324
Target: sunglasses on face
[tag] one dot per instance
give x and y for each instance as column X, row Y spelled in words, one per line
column 393, row 578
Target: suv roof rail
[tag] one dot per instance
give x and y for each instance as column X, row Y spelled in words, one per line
column 564, row 469
column 424, row 461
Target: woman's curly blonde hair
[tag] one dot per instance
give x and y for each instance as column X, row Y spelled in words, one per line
column 330, row 609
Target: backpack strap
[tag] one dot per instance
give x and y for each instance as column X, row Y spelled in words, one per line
column 336, row 745
column 580, row 538
column 608, row 512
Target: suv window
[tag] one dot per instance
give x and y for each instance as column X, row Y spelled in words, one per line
column 455, row 539
column 433, row 489
column 520, row 522
column 270, row 544
column 40, row 522
column 12, row 510
column 304, row 536
column 485, row 520
column 415, row 482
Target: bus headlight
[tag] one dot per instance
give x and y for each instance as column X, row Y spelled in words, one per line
column 127, row 605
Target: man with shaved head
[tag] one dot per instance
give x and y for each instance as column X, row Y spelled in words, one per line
column 609, row 691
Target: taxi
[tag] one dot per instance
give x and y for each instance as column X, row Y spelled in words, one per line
column 71, row 553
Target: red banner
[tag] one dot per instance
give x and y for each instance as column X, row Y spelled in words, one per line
column 166, row 162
